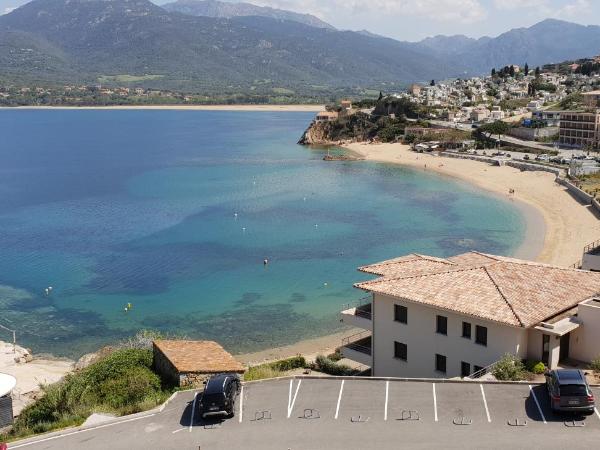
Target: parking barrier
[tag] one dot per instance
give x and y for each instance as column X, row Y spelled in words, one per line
column 517, row 423
column 310, row 413
column 359, row 419
column 262, row 415
column 574, row 423
column 409, row 415
column 462, row 421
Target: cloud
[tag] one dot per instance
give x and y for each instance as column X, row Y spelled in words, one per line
column 463, row 11
column 510, row 5
column 574, row 9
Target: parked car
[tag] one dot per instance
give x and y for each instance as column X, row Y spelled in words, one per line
column 220, row 395
column 526, row 157
column 569, row 391
column 542, row 157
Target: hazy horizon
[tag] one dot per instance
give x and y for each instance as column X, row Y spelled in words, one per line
column 415, row 20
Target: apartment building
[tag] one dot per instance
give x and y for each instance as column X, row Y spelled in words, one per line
column 579, row 128
column 591, row 99
column 436, row 317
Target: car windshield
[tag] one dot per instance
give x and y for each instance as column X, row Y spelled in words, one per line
column 573, row 389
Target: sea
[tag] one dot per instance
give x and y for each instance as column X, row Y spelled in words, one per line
column 116, row 221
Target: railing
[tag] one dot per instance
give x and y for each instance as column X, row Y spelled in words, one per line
column 361, row 342
column 482, row 372
column 14, row 337
column 362, row 307
column 592, row 247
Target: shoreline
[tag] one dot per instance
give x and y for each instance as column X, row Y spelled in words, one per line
column 559, row 227
column 239, row 108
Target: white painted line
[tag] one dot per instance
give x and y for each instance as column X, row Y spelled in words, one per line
column 80, row 431
column 597, row 413
column 290, row 395
column 337, row 408
column 241, row 403
column 162, row 407
column 387, row 390
column 434, row 404
column 193, row 411
column 537, row 404
column 487, row 411
column 291, row 406
column 177, row 431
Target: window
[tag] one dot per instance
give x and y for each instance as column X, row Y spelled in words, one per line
column 400, row 314
column 442, row 325
column 481, row 335
column 477, row 369
column 400, row 351
column 465, row 369
column 440, row 363
column 466, row 331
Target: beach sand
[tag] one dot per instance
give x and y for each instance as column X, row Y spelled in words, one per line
column 265, row 108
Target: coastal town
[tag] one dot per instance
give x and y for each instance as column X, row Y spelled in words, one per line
column 292, row 254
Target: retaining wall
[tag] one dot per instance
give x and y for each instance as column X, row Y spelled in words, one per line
column 579, row 194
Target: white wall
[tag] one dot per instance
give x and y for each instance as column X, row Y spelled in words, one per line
column 585, row 340
column 423, row 342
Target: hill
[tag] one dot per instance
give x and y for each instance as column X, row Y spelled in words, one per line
column 227, row 10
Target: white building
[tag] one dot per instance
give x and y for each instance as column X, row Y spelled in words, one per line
column 435, row 317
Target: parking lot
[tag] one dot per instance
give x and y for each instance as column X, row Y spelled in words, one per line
column 331, row 413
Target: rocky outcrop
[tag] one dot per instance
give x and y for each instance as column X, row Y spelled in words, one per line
column 317, row 133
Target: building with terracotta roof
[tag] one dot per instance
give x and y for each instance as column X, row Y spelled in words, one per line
column 189, row 363
column 449, row 317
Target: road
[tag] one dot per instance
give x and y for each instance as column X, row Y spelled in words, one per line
column 332, row 413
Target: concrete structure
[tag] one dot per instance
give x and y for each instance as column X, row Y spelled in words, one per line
column 531, row 134
column 591, row 99
column 480, row 114
column 579, row 167
column 190, row 363
column 7, row 384
column 550, row 118
column 436, row 317
column 415, row 90
column 346, row 105
column 579, row 128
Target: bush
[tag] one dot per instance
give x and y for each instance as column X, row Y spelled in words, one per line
column 509, row 368
column 297, row 362
column 121, row 382
column 595, row 365
column 537, row 367
column 326, row 365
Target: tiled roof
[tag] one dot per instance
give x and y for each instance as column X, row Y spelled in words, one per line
column 198, row 356
column 500, row 289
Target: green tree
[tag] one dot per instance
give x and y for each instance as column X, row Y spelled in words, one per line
column 495, row 128
column 526, row 69
column 511, row 71
column 493, row 73
column 537, row 71
column 432, row 83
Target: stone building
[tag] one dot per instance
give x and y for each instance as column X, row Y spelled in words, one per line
column 190, row 363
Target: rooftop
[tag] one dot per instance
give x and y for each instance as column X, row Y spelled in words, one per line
column 198, row 356
column 505, row 290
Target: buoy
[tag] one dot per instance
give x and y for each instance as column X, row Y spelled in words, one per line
column 129, row 306
column 324, row 284
column 244, row 229
column 316, row 226
column 234, row 214
column 49, row 288
column 46, row 291
column 265, row 261
column 126, row 309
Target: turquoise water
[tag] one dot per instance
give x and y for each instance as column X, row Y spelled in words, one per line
column 175, row 211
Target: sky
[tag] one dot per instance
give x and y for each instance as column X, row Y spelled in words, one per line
column 412, row 20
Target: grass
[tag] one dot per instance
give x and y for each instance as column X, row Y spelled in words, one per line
column 125, row 78
column 121, row 382
column 274, row 369
column 591, row 183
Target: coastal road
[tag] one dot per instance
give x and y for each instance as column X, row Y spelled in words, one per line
column 352, row 413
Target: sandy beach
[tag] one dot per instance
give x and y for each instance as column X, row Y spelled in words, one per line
column 567, row 225
column 255, row 108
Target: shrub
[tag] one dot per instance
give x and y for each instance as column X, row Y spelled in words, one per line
column 261, row 372
column 284, row 365
column 537, row 367
column 326, row 365
column 335, row 356
column 595, row 365
column 509, row 368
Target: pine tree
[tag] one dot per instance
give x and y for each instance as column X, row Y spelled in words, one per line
column 537, row 71
column 526, row 69
column 493, row 73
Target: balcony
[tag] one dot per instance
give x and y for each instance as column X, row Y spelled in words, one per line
column 358, row 314
column 357, row 347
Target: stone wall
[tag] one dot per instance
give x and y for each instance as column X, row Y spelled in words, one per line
column 164, row 367
column 579, row 194
column 193, row 379
column 525, row 166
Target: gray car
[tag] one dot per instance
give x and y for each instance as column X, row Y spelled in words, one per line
column 569, row 391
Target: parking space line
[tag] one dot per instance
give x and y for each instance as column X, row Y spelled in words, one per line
column 193, row 411
column 434, row 403
column 241, row 403
column 337, row 408
column 487, row 411
column 597, row 413
column 538, row 404
column 291, row 404
column 387, row 390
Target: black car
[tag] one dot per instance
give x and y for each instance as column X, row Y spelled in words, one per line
column 569, row 391
column 220, row 395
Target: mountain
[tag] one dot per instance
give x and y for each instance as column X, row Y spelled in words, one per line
column 227, row 10
column 545, row 42
column 89, row 39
